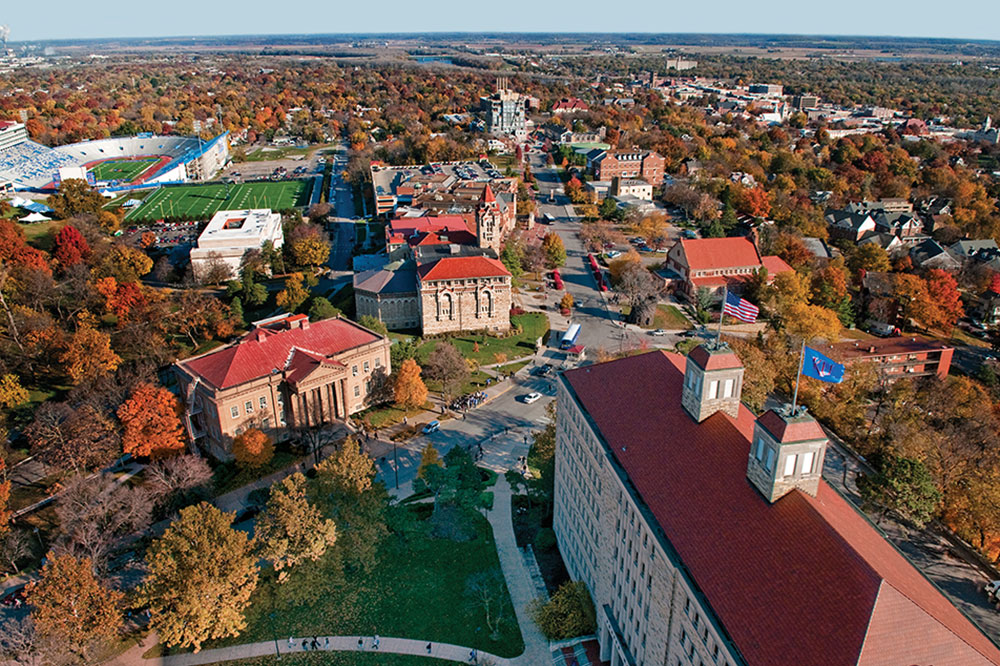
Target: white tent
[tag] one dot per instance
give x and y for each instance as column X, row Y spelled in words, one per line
column 34, row 217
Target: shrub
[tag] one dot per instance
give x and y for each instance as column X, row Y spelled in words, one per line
column 569, row 613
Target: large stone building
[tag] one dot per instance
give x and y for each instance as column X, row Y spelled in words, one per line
column 504, row 112
column 228, row 236
column 707, row 536
column 286, row 373
column 629, row 164
column 444, row 276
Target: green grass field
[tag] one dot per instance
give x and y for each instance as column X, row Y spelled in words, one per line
column 123, row 170
column 202, row 201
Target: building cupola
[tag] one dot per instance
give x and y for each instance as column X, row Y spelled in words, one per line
column 713, row 381
column 787, row 452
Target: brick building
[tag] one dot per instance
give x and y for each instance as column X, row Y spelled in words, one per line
column 629, row 164
column 898, row 357
column 286, row 373
column 712, row 263
column 707, row 535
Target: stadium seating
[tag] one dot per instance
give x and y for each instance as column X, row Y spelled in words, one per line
column 30, row 164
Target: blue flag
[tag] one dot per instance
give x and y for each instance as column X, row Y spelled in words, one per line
column 819, row 367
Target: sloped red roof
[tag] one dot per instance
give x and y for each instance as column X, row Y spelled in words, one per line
column 268, row 348
column 791, row 430
column 458, row 268
column 710, row 361
column 794, row 582
column 774, row 265
column 303, row 362
column 412, row 229
column 715, row 253
column 488, row 196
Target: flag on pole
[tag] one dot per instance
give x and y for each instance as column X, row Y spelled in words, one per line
column 740, row 308
column 820, row 367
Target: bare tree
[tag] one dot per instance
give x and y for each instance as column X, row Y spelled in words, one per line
column 178, row 481
column 487, row 592
column 15, row 546
column 446, row 365
column 640, row 290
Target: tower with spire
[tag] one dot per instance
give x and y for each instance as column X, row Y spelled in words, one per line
column 489, row 222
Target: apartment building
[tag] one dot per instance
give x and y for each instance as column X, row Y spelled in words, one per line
column 898, row 357
column 286, row 373
column 706, row 535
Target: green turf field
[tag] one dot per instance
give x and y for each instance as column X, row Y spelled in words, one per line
column 202, row 201
column 123, row 170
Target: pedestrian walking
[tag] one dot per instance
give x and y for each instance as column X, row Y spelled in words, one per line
column 361, row 643
column 291, row 644
column 315, row 643
column 472, row 656
column 375, row 642
column 326, row 643
column 428, row 648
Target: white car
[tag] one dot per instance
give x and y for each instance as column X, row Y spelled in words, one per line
column 612, row 254
column 658, row 331
column 531, row 397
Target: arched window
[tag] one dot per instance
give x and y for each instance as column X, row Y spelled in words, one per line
column 444, row 306
column 486, row 303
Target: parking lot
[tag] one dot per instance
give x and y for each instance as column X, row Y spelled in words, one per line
column 168, row 234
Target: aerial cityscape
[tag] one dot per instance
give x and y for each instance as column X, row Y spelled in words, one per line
column 498, row 346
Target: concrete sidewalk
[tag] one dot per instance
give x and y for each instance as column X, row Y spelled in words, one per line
column 288, row 645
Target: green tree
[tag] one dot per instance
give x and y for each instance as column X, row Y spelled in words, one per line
column 254, row 292
column 373, row 324
column 321, row 308
column 76, row 197
column 555, row 250
column 201, row 574
column 348, row 472
column 511, row 256
column 608, row 209
column 569, row 613
column 903, row 485
column 869, row 257
column 291, row 530
column 236, row 309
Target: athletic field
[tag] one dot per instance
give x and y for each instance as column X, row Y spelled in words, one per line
column 123, row 170
column 200, row 202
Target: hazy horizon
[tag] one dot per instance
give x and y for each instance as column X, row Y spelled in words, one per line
column 116, row 19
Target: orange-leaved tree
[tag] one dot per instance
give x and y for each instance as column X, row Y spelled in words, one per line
column 70, row 604
column 410, row 390
column 152, row 424
column 5, row 513
column 253, row 448
column 88, row 354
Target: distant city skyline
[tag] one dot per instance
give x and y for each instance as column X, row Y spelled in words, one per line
column 119, row 19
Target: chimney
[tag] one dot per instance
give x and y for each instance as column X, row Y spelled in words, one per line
column 713, row 381
column 786, row 453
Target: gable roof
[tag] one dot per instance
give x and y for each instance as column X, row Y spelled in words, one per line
column 459, row 268
column 800, row 581
column 714, row 253
column 269, row 348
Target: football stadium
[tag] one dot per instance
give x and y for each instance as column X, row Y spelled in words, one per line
column 200, row 202
column 115, row 164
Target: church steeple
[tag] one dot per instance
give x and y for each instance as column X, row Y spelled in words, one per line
column 488, row 221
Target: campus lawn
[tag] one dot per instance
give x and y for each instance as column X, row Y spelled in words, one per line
column 670, row 318
column 202, row 201
column 277, row 153
column 41, row 235
column 533, row 326
column 122, row 170
column 381, row 417
column 338, row 659
column 476, row 381
column 415, row 590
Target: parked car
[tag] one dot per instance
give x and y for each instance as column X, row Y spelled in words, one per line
column 542, row 370
column 658, row 331
column 433, row 426
column 15, row 599
column 991, row 588
column 531, row 397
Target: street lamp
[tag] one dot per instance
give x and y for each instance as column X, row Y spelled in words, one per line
column 270, row 618
column 395, row 463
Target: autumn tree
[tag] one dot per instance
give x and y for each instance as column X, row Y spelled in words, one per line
column 124, row 263
column 868, row 257
column 71, row 604
column 943, row 291
column 753, row 201
column 570, row 612
column 307, row 245
column 809, row 322
column 555, row 250
column 6, row 514
column 253, row 448
column 88, row 354
column 151, row 422
column 70, row 247
column 349, row 471
column 294, row 294
column 409, row 391
column 566, row 302
column 653, row 228
column 75, row 197
column 291, row 530
column 16, row 252
column 201, row 575
column 80, row 439
column 119, row 298
column 201, row 315
column 428, row 459
column 446, row 365
column 619, row 265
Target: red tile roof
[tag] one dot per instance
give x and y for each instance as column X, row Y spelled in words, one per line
column 710, row 361
column 413, row 229
column 459, row 268
column 775, row 265
column 488, row 196
column 269, row 348
column 800, row 581
column 715, row 253
column 790, row 430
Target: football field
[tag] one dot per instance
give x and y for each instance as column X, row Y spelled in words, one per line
column 200, row 202
column 123, row 170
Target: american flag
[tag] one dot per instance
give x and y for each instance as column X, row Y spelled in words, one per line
column 740, row 308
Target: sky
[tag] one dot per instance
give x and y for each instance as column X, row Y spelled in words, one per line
column 67, row 19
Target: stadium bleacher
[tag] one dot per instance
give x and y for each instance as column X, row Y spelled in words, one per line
column 29, row 164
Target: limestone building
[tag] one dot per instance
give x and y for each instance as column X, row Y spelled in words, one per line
column 707, row 536
column 286, row 373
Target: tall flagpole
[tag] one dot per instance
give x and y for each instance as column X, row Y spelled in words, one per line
column 798, row 377
column 722, row 314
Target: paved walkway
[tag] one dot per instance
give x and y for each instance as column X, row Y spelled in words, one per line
column 336, row 643
column 515, row 572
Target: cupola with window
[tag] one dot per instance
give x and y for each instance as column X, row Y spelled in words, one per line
column 786, row 453
column 713, row 380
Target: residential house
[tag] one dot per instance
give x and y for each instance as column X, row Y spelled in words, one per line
column 714, row 263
